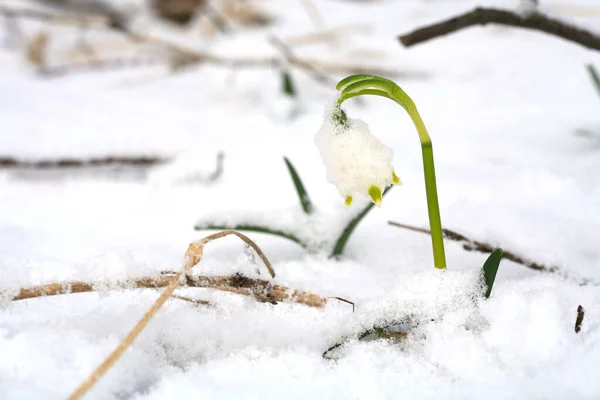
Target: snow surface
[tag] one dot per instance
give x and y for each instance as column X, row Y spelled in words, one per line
column 503, row 108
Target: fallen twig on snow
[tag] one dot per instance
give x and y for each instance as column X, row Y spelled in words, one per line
column 474, row 245
column 482, row 16
column 240, row 284
column 579, row 320
column 11, row 162
column 262, row 290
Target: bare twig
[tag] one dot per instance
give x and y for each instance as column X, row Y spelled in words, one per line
column 291, row 58
column 474, row 245
column 190, row 300
column 344, row 301
column 138, row 161
column 483, row 16
column 579, row 320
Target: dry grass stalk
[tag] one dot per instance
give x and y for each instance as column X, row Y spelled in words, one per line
column 181, row 56
column 238, row 283
column 76, row 19
column 193, row 256
column 36, row 50
column 244, row 13
column 190, row 300
column 328, row 34
column 313, row 13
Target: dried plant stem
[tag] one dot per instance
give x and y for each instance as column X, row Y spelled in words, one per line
column 474, row 245
column 313, row 13
column 579, row 320
column 190, row 300
column 238, row 283
column 63, row 18
column 143, row 160
column 483, row 16
column 193, row 256
column 184, row 57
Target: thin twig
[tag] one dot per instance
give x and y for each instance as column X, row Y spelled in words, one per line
column 64, row 18
column 190, row 300
column 474, row 245
column 483, row 16
column 291, row 58
column 579, row 320
column 138, row 161
column 344, row 301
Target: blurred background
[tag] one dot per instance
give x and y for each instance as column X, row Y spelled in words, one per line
column 124, row 122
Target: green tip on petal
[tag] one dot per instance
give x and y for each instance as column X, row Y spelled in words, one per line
column 375, row 194
column 348, row 201
column 396, row 179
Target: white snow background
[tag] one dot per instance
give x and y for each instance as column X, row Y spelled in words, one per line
column 503, row 107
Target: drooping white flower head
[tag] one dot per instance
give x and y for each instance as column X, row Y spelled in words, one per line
column 355, row 160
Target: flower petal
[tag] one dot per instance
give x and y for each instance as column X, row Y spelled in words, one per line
column 375, row 194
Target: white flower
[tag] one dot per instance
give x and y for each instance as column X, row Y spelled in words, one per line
column 355, row 160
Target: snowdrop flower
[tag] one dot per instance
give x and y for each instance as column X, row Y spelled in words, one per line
column 355, row 160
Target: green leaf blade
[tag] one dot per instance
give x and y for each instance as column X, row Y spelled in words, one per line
column 490, row 269
column 595, row 77
column 340, row 244
column 303, row 196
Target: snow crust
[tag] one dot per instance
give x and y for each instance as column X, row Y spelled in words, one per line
column 527, row 7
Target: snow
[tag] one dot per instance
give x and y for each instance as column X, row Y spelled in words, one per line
column 527, row 7
column 503, row 108
column 355, row 160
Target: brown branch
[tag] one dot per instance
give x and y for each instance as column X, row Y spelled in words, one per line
column 483, row 16
column 482, row 247
column 579, row 320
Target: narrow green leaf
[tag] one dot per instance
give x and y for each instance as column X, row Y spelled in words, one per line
column 595, row 77
column 287, row 83
column 490, row 268
column 307, row 205
column 347, row 232
column 253, row 228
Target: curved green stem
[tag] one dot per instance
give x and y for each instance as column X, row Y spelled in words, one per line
column 358, row 85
